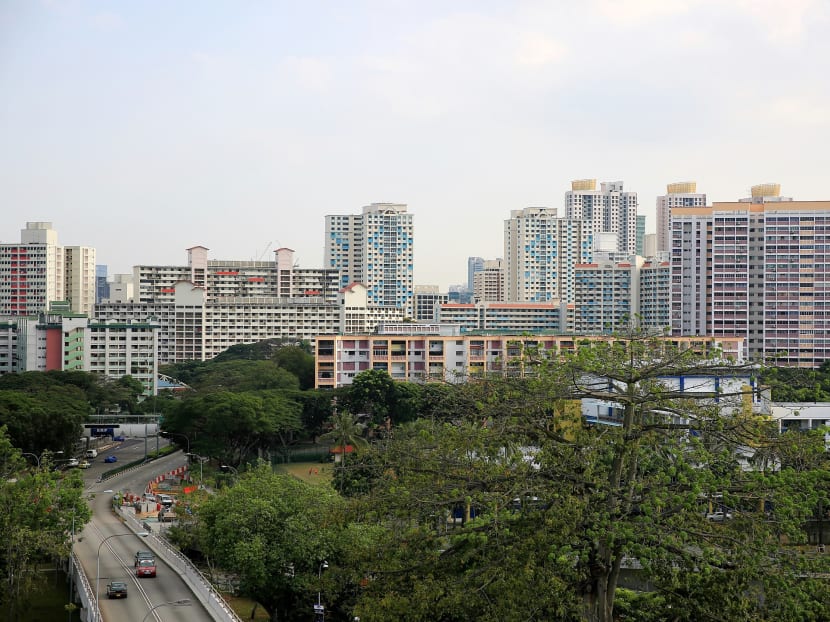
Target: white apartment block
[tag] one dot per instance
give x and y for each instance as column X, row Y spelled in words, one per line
column 505, row 316
column 424, row 300
column 72, row 342
column 8, row 345
column 80, row 278
column 613, row 296
column 488, row 283
column 609, row 209
column 193, row 328
column 374, row 248
column 606, row 296
column 540, row 253
column 220, row 279
column 678, row 194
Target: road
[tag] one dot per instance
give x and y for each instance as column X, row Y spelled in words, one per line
column 116, row 554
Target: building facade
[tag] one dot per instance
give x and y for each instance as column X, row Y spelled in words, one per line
column 456, row 358
column 220, row 278
column 488, row 283
column 375, row 248
column 425, row 299
column 607, row 210
column 758, row 269
column 38, row 271
column 678, row 194
column 540, row 253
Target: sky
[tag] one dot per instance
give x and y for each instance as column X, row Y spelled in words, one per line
column 145, row 128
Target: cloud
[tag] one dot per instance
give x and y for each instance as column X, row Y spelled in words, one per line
column 795, row 111
column 536, row 49
column 782, row 20
column 311, row 74
column 106, row 21
column 637, row 12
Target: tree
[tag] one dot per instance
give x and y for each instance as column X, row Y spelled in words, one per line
column 372, row 392
column 299, row 362
column 346, row 432
column 517, row 499
column 42, row 506
column 274, row 531
column 235, row 426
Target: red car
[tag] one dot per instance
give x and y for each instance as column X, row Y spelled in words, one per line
column 145, row 568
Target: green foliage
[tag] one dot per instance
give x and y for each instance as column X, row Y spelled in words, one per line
column 40, row 418
column 299, row 362
column 41, row 507
column 235, row 426
column 234, row 375
column 550, row 511
column 798, row 384
column 274, row 531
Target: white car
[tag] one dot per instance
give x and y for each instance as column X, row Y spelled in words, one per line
column 719, row 516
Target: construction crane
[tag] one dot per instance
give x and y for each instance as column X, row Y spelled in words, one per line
column 267, row 248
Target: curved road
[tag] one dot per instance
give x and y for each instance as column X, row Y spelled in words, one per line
column 116, row 554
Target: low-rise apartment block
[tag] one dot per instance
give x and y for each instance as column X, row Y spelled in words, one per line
column 459, row 357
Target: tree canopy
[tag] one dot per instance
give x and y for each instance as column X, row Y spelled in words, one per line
column 41, row 508
column 516, row 510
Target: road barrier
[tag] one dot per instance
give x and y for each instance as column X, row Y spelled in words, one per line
column 89, row 608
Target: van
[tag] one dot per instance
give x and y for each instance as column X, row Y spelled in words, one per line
column 91, row 453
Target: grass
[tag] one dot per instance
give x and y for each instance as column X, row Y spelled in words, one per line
column 244, row 606
column 311, row 472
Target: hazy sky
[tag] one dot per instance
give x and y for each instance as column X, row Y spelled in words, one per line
column 144, row 128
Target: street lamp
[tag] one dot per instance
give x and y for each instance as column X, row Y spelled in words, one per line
column 142, row 534
column 37, row 458
column 184, row 602
column 319, row 610
column 202, row 460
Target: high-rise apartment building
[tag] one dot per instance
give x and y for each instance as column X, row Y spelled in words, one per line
column 608, row 210
column 37, row 271
column 102, row 286
column 488, row 283
column 679, row 194
column 641, row 235
column 374, row 248
column 540, row 252
column 81, row 284
column 474, row 264
column 759, row 269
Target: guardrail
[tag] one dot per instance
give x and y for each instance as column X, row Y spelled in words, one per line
column 202, row 588
column 87, row 596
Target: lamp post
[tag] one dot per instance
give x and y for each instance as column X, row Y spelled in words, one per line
column 319, row 609
column 142, row 534
column 37, row 458
column 184, row 602
column 202, row 460
column 225, row 467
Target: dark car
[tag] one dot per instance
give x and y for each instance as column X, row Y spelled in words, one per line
column 117, row 589
column 111, row 459
column 118, row 439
